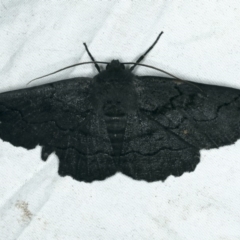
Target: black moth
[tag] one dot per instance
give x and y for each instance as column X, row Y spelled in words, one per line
column 145, row 127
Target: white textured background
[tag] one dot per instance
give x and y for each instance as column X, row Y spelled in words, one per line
column 201, row 42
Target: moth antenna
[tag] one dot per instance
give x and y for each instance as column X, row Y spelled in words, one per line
column 74, row 65
column 92, row 58
column 160, row 70
column 148, row 50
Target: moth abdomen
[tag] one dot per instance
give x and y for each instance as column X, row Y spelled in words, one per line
column 116, row 129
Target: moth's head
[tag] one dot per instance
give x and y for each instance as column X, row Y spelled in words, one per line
column 115, row 65
column 115, row 73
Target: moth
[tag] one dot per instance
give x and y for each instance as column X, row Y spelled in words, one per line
column 145, row 127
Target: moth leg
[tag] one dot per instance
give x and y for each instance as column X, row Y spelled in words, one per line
column 92, row 58
column 148, row 50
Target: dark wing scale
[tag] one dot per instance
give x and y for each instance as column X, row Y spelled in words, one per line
column 213, row 115
column 59, row 117
column 152, row 152
column 173, row 123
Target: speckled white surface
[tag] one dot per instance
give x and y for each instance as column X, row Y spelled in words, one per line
column 200, row 43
